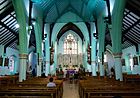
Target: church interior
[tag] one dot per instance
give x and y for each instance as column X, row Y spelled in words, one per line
column 91, row 48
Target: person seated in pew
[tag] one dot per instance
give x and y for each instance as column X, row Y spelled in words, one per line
column 51, row 83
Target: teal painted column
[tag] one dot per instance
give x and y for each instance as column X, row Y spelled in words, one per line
column 15, row 65
column 55, row 57
column 85, row 59
column 47, row 58
column 21, row 20
column 101, row 31
column 38, row 32
column 93, row 50
column 93, row 57
column 116, row 35
column 84, row 55
column 118, row 66
column 3, row 56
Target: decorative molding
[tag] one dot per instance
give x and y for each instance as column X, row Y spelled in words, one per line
column 40, row 59
column 47, row 62
column 23, row 56
column 117, row 55
column 93, row 62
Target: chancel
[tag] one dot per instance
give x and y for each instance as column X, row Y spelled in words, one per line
column 91, row 48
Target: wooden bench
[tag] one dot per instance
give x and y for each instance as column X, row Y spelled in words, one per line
column 8, row 80
column 33, row 88
column 132, row 78
column 92, row 87
column 112, row 97
column 48, row 92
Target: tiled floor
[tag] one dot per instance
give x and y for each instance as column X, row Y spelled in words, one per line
column 70, row 90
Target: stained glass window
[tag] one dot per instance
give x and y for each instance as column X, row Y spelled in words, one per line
column 70, row 45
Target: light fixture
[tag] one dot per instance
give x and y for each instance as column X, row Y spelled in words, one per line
column 33, row 21
column 17, row 26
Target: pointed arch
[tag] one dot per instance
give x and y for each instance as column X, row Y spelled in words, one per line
column 70, row 26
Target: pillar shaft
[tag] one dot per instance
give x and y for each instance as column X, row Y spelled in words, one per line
column 39, row 67
column 47, row 71
column 22, row 67
column 117, row 20
column 116, row 35
column 55, row 57
column 38, row 33
column 47, row 58
column 93, row 51
column 101, row 31
column 21, row 20
column 118, row 66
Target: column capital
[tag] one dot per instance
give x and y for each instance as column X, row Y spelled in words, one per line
column 47, row 62
column 117, row 55
column 93, row 62
column 23, row 56
column 40, row 59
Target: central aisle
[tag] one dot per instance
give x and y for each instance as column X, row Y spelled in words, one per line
column 70, row 90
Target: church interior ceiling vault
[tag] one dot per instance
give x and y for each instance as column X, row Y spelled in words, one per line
column 87, row 10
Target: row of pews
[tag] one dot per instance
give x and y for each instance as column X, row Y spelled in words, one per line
column 129, row 78
column 32, row 88
column 93, row 87
column 8, row 80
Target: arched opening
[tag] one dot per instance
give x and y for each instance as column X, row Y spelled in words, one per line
column 70, row 51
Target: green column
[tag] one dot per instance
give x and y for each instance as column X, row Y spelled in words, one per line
column 84, row 55
column 93, row 50
column 38, row 33
column 55, row 57
column 21, row 20
column 116, row 35
column 101, row 31
column 47, row 58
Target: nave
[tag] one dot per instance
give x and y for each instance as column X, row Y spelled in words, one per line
column 86, row 87
column 70, row 90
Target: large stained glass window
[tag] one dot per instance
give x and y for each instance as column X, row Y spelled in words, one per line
column 70, row 45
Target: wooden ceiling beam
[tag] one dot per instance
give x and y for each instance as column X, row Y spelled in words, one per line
column 6, row 12
column 128, row 29
column 13, row 32
column 13, row 40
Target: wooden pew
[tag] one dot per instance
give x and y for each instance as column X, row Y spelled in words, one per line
column 92, row 87
column 112, row 97
column 8, row 80
column 132, row 78
column 33, row 88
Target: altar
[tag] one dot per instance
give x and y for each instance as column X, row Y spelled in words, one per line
column 70, row 61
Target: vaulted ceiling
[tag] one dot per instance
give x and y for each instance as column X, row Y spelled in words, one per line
column 54, row 9
column 87, row 10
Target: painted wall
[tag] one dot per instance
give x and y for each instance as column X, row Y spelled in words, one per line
column 4, row 70
column 131, row 51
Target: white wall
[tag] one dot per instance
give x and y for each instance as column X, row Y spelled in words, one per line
column 128, row 51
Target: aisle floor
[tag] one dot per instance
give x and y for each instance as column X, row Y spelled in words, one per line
column 70, row 90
